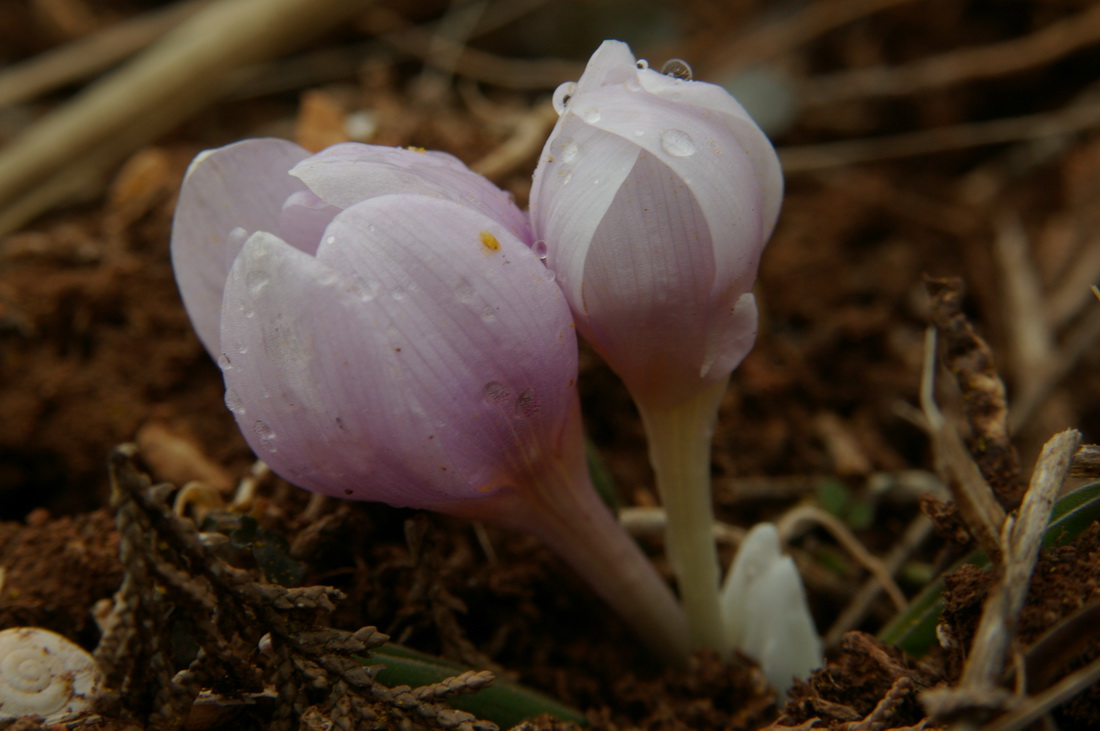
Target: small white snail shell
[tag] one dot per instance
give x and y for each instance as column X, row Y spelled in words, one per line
column 45, row 675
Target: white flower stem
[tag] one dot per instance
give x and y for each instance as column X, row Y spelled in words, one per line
column 556, row 501
column 585, row 533
column 679, row 449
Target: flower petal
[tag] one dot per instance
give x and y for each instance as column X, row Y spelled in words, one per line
column 347, row 173
column 567, row 208
column 303, row 219
column 239, row 186
column 316, row 396
column 612, row 63
column 421, row 359
column 704, row 152
column 648, row 273
column 484, row 337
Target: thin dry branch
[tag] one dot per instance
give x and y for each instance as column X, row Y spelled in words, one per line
column 153, row 93
column 956, row 67
column 982, row 514
column 978, row 691
column 970, row 359
column 784, row 36
column 1067, row 120
column 83, row 58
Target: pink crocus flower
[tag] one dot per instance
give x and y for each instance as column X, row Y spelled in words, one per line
column 654, row 198
column 386, row 333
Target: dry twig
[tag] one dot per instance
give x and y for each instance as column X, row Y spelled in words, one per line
column 956, row 67
column 88, row 56
column 978, row 691
column 74, row 146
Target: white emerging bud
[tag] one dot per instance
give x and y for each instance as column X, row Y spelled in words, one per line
column 765, row 610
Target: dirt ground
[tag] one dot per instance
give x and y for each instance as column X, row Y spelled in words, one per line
column 920, row 139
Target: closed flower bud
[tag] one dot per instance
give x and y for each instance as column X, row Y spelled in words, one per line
column 653, row 198
column 386, row 334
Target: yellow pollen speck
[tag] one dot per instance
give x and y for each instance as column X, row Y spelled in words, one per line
column 489, row 241
column 415, row 149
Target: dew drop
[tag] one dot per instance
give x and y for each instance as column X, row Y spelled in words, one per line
column 677, row 68
column 233, row 402
column 330, row 240
column 549, row 275
column 591, row 115
column 496, row 393
column 241, row 346
column 677, row 143
column 527, row 404
column 642, row 64
column 398, row 294
column 464, row 291
column 567, row 177
column 256, row 282
column 569, row 151
column 540, row 249
column 237, row 238
column 266, row 435
column 223, row 362
column 562, row 95
column 369, row 290
column 488, row 314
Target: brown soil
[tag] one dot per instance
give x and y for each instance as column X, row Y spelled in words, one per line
column 95, row 351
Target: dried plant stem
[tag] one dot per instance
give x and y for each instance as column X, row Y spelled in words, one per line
column 1067, row 120
column 679, row 449
column 800, row 515
column 87, row 56
column 967, row 64
column 982, row 513
column 919, row 529
column 168, row 82
column 1021, row 536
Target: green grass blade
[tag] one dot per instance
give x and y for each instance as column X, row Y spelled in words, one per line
column 504, row 703
column 914, row 630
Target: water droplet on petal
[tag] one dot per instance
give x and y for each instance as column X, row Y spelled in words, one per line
column 266, row 435
column 677, row 143
column 677, row 68
column 496, row 393
column 562, row 95
column 591, row 115
column 236, row 238
column 223, row 362
column 256, row 281
column 368, row 290
column 488, row 314
column 569, row 151
column 642, row 63
column 567, row 177
column 233, row 402
column 540, row 249
column 398, row 294
column 549, row 275
column 241, row 346
column 330, row 240
column 464, row 291
column 527, row 404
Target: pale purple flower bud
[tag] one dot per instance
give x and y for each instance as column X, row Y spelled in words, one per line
column 655, row 196
column 387, row 334
column 276, row 186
